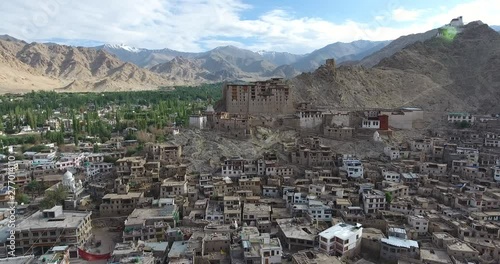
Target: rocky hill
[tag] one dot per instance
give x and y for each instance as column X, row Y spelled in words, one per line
column 340, row 52
column 372, row 58
column 437, row 74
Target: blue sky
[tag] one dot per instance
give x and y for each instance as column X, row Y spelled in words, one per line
column 297, row 26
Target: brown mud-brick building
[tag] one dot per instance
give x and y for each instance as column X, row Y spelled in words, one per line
column 263, row 97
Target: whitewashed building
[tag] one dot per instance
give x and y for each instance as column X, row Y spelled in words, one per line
column 353, row 167
column 198, row 121
column 460, row 117
column 340, row 239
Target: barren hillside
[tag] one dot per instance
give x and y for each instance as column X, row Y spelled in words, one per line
column 39, row 66
column 438, row 75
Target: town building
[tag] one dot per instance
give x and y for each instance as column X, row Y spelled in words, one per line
column 51, row 227
column 121, row 203
column 151, row 224
column 397, row 245
column 263, row 97
column 258, row 215
column 171, row 188
column 198, row 121
column 461, row 117
column 419, row 223
column 165, row 152
column 341, row 240
column 353, row 167
column 297, row 233
column 373, row 200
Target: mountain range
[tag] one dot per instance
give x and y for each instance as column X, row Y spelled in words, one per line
column 31, row 66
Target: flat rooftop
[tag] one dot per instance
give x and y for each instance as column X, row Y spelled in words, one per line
column 140, row 215
column 261, row 209
column 178, row 249
column 461, row 246
column 68, row 219
column 342, row 231
column 435, row 256
column 114, row 196
column 216, row 237
column 314, row 257
column 297, row 228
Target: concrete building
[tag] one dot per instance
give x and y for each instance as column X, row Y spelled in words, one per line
column 121, row 203
column 462, row 250
column 263, row 97
column 309, row 119
column 258, row 215
column 45, row 229
column 232, row 209
column 397, row 245
column 419, row 223
column 318, row 211
column 341, row 240
column 461, row 117
column 353, row 167
column 312, row 153
column 258, row 247
column 392, row 152
column 198, row 121
column 396, row 190
column 250, row 184
column 338, row 133
column 163, row 152
column 391, row 176
column 233, row 167
column 297, row 233
column 130, row 166
column 171, row 188
column 435, row 169
column 270, row 191
column 43, row 157
column 496, row 173
column 214, row 212
column 151, row 224
column 215, row 243
column 373, row 200
column 370, row 123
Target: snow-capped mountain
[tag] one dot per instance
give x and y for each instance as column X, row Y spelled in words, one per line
column 122, row 46
column 143, row 57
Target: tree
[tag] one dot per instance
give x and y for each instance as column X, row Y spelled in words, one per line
column 34, row 187
column 96, row 148
column 62, row 128
column 463, row 124
column 109, row 159
column 22, row 198
column 388, row 197
column 54, row 197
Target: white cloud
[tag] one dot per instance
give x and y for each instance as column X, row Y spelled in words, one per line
column 402, row 14
column 197, row 25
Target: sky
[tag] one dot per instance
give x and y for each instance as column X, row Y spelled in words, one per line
column 296, row 26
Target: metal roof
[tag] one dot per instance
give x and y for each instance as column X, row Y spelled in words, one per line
column 398, row 242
